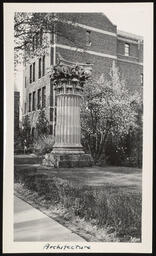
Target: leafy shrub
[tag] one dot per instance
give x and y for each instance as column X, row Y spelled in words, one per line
column 43, row 144
column 42, row 124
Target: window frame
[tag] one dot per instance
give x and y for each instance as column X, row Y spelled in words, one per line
column 43, row 65
column 41, row 37
column 30, row 102
column 33, row 72
column 39, row 98
column 51, row 94
column 25, row 108
column 51, row 129
column 127, row 49
column 51, row 55
column 88, row 38
column 43, row 96
column 37, row 40
column 141, row 78
column 34, row 101
column 39, row 67
column 30, row 75
column 33, row 42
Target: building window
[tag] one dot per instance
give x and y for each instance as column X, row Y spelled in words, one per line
column 33, row 43
column 55, row 114
column 43, row 66
column 29, row 102
column 51, row 56
column 51, row 93
column 41, row 34
column 30, row 74
column 50, row 129
column 25, row 108
column 33, row 132
column 141, row 79
column 39, row 68
column 27, row 47
column 51, row 114
column 88, row 38
column 25, row 82
column 33, row 71
column 51, row 37
column 34, row 101
column 37, row 40
column 39, row 99
column 43, row 97
column 127, row 49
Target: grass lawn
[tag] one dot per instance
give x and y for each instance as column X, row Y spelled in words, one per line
column 124, row 177
column 98, row 203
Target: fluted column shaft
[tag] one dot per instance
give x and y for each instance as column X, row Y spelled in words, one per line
column 68, row 121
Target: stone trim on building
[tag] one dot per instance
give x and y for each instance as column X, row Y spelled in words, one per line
column 86, row 27
column 130, row 61
column 87, row 51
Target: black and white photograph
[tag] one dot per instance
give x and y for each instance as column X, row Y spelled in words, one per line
column 78, row 144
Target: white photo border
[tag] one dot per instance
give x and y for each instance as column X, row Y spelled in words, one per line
column 9, row 246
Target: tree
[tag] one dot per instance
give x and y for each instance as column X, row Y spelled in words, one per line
column 42, row 124
column 108, row 111
column 28, row 25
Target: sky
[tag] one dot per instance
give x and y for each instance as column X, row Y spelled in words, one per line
column 129, row 18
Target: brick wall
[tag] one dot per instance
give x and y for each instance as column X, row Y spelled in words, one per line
column 76, row 37
column 131, row 73
column 97, row 20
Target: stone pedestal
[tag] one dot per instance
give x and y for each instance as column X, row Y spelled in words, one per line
column 66, row 160
column 68, row 151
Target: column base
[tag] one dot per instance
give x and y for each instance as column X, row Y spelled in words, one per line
column 68, row 160
column 70, row 149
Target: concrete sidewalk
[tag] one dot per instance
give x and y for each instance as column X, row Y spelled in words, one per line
column 32, row 225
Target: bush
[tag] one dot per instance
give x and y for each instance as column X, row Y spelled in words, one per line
column 108, row 206
column 43, row 144
column 125, row 151
column 42, row 124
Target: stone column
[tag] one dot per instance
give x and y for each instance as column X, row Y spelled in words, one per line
column 68, row 95
column 68, row 82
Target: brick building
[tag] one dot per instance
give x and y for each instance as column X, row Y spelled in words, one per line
column 16, row 112
column 79, row 38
